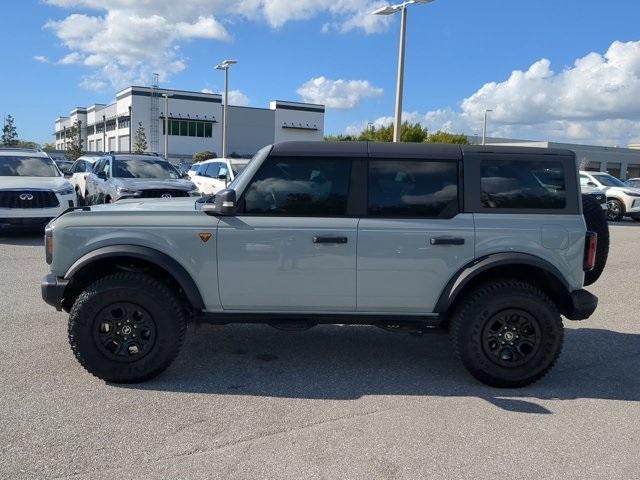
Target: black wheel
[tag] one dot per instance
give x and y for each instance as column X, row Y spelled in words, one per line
column 126, row 327
column 615, row 211
column 507, row 333
column 596, row 222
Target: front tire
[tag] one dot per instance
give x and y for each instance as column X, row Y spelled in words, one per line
column 615, row 211
column 507, row 333
column 126, row 327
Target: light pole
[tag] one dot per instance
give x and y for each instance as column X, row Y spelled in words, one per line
column 166, row 124
column 484, row 128
column 390, row 10
column 225, row 66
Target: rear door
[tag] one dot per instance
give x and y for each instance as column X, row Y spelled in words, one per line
column 292, row 247
column 413, row 238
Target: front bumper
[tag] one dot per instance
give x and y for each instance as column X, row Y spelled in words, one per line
column 582, row 306
column 53, row 290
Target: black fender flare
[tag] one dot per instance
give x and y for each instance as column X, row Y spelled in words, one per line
column 171, row 266
column 470, row 271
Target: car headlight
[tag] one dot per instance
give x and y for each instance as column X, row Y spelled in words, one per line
column 128, row 192
column 68, row 190
column 195, row 193
column 631, row 194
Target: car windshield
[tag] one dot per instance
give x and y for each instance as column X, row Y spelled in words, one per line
column 609, row 181
column 27, row 167
column 144, row 168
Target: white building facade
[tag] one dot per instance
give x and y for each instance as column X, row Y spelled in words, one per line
column 194, row 123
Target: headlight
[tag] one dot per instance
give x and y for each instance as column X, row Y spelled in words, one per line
column 632, row 194
column 68, row 190
column 195, row 193
column 122, row 191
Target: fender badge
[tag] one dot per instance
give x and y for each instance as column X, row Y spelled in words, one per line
column 204, row 236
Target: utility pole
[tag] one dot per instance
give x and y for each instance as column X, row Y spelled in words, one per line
column 166, row 124
column 225, row 124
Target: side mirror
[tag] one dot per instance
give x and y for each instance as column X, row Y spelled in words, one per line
column 222, row 177
column 591, row 184
column 102, row 175
column 224, row 204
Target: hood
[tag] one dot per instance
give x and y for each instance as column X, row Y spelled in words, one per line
column 622, row 189
column 42, row 183
column 187, row 204
column 153, row 184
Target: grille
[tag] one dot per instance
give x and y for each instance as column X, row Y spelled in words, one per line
column 157, row 193
column 30, row 199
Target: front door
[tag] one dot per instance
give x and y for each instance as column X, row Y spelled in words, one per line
column 291, row 247
column 413, row 239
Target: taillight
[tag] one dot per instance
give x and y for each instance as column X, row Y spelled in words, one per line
column 590, row 247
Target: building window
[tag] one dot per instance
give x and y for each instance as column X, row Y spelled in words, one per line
column 189, row 128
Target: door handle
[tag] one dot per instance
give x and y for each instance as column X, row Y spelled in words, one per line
column 447, row 241
column 339, row 240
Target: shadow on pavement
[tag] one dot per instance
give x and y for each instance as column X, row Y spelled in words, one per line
column 23, row 238
column 345, row 363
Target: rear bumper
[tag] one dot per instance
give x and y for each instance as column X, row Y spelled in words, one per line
column 53, row 290
column 583, row 304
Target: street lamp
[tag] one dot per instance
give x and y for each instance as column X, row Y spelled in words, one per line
column 484, row 128
column 390, row 10
column 225, row 66
column 166, row 124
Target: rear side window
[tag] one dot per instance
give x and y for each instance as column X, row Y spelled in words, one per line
column 539, row 185
column 300, row 186
column 413, row 188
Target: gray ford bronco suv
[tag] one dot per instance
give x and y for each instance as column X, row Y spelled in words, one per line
column 492, row 244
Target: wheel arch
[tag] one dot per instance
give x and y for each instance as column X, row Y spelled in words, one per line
column 106, row 260
column 515, row 265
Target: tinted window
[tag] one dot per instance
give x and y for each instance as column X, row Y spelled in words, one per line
column 410, row 188
column 290, row 186
column 522, row 184
column 212, row 170
column 608, row 180
column 27, row 167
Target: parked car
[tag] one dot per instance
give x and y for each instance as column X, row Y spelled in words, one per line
column 214, row 175
column 64, row 165
column 622, row 200
column 193, row 169
column 116, row 177
column 598, row 196
column 408, row 237
column 633, row 182
column 32, row 189
column 80, row 171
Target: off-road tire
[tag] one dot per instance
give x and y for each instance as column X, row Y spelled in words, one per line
column 151, row 296
column 474, row 317
column 596, row 221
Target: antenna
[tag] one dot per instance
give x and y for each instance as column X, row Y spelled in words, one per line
column 154, row 129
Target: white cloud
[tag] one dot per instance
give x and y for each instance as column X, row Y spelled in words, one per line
column 125, row 41
column 70, row 59
column 236, row 97
column 41, row 59
column 340, row 94
column 596, row 100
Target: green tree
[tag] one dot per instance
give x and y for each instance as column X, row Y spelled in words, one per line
column 49, row 147
column 445, row 137
column 9, row 132
column 340, row 138
column 202, row 156
column 409, row 132
column 75, row 144
column 27, row 144
column 140, row 140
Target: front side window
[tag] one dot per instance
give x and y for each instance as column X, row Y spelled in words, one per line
column 523, row 184
column 413, row 188
column 609, row 180
column 300, row 186
column 11, row 166
column 144, row 168
column 213, row 170
column 584, row 180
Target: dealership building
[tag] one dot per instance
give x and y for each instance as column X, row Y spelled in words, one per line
column 623, row 163
column 194, row 123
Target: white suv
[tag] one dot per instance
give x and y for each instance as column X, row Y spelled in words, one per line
column 32, row 189
column 214, row 175
column 622, row 200
column 78, row 173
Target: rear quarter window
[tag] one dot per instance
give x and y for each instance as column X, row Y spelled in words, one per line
column 513, row 184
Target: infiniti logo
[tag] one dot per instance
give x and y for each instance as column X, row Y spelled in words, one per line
column 26, row 196
column 166, row 195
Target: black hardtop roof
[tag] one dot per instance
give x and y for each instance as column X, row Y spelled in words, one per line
column 422, row 150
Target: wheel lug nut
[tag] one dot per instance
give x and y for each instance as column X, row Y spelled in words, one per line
column 133, row 349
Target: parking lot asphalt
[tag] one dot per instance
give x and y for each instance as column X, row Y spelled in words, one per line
column 333, row 402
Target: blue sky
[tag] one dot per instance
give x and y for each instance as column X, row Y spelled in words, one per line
column 67, row 53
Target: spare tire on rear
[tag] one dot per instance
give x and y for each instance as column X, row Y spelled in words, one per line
column 596, row 221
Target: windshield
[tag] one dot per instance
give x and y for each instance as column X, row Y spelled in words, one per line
column 609, row 181
column 144, row 168
column 27, row 167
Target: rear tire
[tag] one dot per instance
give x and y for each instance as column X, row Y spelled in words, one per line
column 596, row 222
column 507, row 333
column 126, row 327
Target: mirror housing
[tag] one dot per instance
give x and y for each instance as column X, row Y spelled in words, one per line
column 102, row 176
column 223, row 205
column 591, row 184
